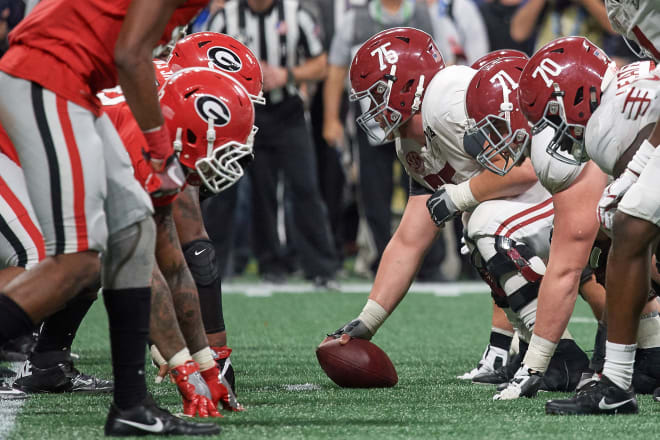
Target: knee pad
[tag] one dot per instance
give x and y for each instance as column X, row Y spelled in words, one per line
column 496, row 292
column 200, row 256
column 515, row 257
column 129, row 259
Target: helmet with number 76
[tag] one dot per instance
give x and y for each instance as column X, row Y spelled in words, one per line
column 560, row 87
column 497, row 133
column 389, row 75
column 211, row 120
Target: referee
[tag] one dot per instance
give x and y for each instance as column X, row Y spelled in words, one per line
column 285, row 38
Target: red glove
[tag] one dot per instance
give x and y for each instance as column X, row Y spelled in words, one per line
column 160, row 145
column 194, row 391
column 219, row 390
column 169, row 180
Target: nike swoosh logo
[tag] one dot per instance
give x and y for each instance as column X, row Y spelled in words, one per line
column 155, row 427
column 607, row 406
column 200, row 252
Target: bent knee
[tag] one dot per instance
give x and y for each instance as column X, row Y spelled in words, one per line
column 632, row 234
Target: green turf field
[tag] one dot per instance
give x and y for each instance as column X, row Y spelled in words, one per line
column 430, row 340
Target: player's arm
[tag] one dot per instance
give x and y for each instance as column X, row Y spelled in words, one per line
column 141, row 30
column 489, row 186
column 575, row 229
column 333, row 129
column 450, row 200
column 398, row 265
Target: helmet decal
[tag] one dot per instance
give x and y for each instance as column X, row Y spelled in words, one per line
column 209, row 106
column 225, row 59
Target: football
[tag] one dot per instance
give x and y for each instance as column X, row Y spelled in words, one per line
column 356, row 364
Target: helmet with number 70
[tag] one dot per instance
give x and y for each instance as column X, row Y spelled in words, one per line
column 211, row 120
column 223, row 53
column 497, row 133
column 560, row 87
column 389, row 75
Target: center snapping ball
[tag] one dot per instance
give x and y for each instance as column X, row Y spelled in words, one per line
column 356, row 364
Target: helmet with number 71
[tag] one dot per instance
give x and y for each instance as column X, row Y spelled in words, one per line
column 498, row 55
column 389, row 75
column 560, row 87
column 497, row 133
column 223, row 53
column 211, row 120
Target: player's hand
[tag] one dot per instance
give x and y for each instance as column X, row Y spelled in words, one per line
column 220, row 394
column 441, row 207
column 352, row 329
column 333, row 132
column 611, row 197
column 195, row 393
column 167, row 177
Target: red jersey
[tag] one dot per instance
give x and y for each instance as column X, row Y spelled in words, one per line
column 7, row 147
column 131, row 136
column 68, row 46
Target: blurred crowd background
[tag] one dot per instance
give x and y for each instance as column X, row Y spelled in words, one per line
column 320, row 201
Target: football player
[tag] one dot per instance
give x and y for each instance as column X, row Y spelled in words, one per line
column 407, row 94
column 227, row 55
column 79, row 177
column 637, row 21
column 211, row 120
column 21, row 248
column 494, row 365
column 571, row 91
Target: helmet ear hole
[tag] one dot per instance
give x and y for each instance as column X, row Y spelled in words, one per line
column 408, row 85
column 579, row 96
column 190, row 136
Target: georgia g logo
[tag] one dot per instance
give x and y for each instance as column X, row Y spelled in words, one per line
column 209, row 106
column 225, row 59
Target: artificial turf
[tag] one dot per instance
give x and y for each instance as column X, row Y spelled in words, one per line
column 430, row 340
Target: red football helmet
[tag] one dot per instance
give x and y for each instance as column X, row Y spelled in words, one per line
column 496, row 126
column 496, row 55
column 560, row 87
column 211, row 120
column 389, row 75
column 220, row 52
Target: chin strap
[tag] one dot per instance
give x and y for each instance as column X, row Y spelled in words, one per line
column 210, row 137
column 417, row 102
column 177, row 144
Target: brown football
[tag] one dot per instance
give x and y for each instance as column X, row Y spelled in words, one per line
column 356, row 364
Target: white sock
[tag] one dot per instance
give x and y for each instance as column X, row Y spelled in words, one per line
column 539, row 353
column 648, row 334
column 204, row 358
column 179, row 358
column 619, row 363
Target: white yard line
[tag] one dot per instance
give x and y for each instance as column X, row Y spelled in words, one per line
column 437, row 289
column 9, row 409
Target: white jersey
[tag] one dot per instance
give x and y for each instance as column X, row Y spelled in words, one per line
column 637, row 20
column 626, row 107
column 443, row 159
column 628, row 104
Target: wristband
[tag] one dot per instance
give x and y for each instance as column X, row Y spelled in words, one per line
column 641, row 158
column 373, row 315
column 462, row 196
column 158, row 139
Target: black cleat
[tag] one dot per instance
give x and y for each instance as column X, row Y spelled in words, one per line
column 646, row 375
column 656, row 394
column 596, row 397
column 61, row 378
column 10, row 393
column 148, row 419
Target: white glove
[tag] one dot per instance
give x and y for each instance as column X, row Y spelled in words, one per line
column 609, row 201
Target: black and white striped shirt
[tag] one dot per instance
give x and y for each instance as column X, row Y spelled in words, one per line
column 283, row 35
